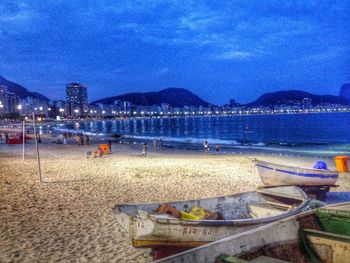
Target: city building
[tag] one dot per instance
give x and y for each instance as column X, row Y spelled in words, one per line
column 8, row 100
column 77, row 102
column 307, row 103
column 3, row 99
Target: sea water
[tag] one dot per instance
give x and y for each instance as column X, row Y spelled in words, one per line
column 323, row 134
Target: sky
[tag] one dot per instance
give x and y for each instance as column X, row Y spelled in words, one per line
column 217, row 49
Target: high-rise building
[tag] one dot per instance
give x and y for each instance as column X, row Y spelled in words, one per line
column 77, row 103
column 8, row 100
column 307, row 103
column 3, row 99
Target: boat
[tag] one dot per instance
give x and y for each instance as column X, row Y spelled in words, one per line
column 240, row 212
column 299, row 238
column 273, row 174
column 332, row 244
column 326, row 247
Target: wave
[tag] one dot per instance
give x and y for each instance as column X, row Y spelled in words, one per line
column 184, row 139
column 74, row 131
column 287, row 148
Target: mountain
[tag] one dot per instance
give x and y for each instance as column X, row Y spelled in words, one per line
column 345, row 92
column 176, row 97
column 21, row 91
column 288, row 96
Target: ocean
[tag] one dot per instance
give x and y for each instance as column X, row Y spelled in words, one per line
column 323, row 134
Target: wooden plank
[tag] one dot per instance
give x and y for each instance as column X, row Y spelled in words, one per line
column 257, row 211
column 280, row 205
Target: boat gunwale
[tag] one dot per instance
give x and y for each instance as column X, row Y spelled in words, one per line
column 325, row 234
column 209, row 198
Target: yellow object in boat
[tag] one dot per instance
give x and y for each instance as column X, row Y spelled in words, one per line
column 196, row 213
column 188, row 216
column 199, row 211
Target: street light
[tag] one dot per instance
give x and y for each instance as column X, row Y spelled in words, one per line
column 19, row 107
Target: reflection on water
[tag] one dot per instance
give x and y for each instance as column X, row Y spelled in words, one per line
column 301, row 130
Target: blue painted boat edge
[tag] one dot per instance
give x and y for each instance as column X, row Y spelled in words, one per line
column 334, row 176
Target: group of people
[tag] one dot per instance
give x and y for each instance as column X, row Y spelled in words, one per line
column 157, row 144
column 206, row 147
column 82, row 139
column 99, row 152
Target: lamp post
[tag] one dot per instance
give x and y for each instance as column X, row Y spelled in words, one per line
column 37, row 148
column 19, row 108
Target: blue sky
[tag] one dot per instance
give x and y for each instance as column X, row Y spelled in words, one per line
column 216, row 49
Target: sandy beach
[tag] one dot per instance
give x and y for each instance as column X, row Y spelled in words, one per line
column 68, row 218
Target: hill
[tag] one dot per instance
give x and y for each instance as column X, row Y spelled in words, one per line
column 345, row 92
column 176, row 97
column 288, row 96
column 20, row 91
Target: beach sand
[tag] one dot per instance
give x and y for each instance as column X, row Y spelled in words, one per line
column 69, row 216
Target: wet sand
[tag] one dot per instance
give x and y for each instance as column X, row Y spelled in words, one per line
column 68, row 218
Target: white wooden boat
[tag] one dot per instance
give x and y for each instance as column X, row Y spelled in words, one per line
column 241, row 212
column 276, row 175
column 281, row 240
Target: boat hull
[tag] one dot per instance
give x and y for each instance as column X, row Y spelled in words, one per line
column 277, row 175
column 146, row 232
column 335, row 220
column 327, row 247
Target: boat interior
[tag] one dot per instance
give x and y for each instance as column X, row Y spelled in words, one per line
column 259, row 204
column 317, row 240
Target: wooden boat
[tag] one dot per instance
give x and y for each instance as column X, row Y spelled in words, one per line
column 276, row 175
column 326, row 247
column 335, row 219
column 281, row 241
column 241, row 212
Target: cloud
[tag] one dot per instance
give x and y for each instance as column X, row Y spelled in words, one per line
column 234, row 55
column 162, row 71
column 329, row 53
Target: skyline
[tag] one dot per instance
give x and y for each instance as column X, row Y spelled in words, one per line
column 236, row 50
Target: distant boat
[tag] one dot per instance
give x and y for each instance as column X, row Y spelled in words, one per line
column 298, row 238
column 276, row 175
column 241, row 212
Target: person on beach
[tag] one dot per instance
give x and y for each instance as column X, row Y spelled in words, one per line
column 77, row 139
column 144, row 149
column 217, row 147
column 98, row 153
column 206, row 147
column 109, row 146
column 87, row 139
column 155, row 144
